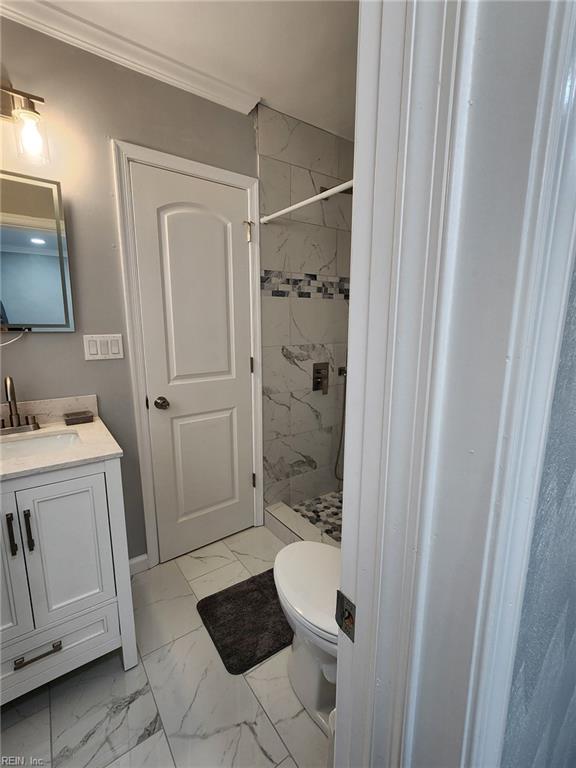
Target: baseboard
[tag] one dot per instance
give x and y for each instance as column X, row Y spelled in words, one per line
column 138, row 564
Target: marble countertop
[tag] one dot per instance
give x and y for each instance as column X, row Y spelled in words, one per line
column 94, row 443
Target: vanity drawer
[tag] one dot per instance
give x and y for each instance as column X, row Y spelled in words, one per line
column 52, row 652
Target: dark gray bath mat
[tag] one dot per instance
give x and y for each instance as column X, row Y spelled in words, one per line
column 246, row 622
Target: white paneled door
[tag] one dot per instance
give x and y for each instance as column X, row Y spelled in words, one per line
column 194, row 282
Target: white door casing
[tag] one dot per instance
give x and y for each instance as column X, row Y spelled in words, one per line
column 69, row 517
column 15, row 604
column 194, row 280
column 390, row 527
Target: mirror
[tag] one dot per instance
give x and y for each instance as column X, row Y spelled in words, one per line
column 35, row 288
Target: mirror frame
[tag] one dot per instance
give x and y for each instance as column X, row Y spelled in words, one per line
column 63, row 255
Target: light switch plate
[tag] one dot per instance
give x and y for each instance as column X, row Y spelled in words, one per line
column 103, row 346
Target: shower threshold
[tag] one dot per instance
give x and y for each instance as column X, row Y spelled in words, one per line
column 318, row 519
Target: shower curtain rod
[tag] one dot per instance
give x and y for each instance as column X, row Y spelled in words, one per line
column 322, row 196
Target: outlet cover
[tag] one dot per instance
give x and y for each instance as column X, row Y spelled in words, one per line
column 103, row 346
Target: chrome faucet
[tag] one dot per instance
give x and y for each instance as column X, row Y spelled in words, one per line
column 16, row 423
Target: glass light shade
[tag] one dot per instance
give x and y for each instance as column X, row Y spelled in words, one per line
column 30, row 135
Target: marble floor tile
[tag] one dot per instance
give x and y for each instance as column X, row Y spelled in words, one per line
column 156, row 584
column 220, row 579
column 165, row 606
column 99, row 712
column 204, row 560
column 26, row 730
column 211, row 718
column 307, row 743
column 165, row 621
column 288, row 763
column 256, row 548
column 24, row 706
column 154, row 752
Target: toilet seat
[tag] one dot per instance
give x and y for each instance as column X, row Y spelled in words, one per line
column 307, row 575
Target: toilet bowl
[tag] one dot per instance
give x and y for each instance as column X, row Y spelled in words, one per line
column 307, row 575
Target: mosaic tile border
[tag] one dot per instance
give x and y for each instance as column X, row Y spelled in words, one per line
column 303, row 285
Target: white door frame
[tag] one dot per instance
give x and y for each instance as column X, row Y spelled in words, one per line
column 402, row 161
column 543, row 286
column 124, row 154
column 410, row 137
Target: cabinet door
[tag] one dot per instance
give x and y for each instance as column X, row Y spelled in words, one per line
column 67, row 544
column 16, row 610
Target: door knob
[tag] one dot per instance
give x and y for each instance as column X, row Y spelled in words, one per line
column 161, row 403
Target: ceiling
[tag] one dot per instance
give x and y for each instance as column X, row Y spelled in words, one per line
column 298, row 57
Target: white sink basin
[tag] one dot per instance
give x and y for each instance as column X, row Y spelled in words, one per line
column 28, row 445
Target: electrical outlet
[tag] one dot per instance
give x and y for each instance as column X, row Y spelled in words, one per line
column 103, row 346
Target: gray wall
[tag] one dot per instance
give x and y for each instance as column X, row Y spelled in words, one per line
column 88, row 101
column 541, row 728
column 305, row 261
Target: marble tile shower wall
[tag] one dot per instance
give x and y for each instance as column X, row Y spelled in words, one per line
column 305, row 262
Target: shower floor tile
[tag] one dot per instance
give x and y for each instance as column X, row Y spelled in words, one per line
column 325, row 512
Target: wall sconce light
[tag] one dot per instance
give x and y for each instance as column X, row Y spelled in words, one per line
column 30, row 132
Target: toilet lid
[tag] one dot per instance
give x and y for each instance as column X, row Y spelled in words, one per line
column 308, row 575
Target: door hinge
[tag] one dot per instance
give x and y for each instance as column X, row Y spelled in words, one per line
column 147, row 403
column 345, row 614
column 253, row 479
column 251, row 365
column 248, row 225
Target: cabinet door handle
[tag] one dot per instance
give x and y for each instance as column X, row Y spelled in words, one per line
column 28, row 524
column 21, row 662
column 11, row 537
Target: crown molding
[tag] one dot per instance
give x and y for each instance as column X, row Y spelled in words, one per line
column 59, row 23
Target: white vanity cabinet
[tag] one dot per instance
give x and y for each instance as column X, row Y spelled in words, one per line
column 65, row 583
column 16, row 608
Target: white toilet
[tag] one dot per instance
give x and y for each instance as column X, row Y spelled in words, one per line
column 307, row 575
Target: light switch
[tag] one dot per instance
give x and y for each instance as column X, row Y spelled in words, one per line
column 103, row 346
